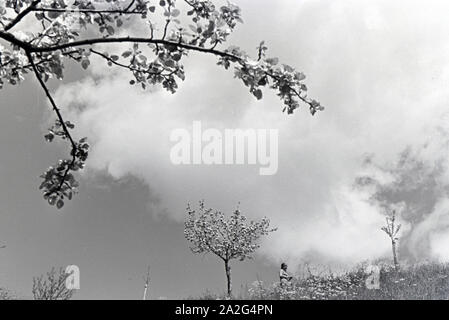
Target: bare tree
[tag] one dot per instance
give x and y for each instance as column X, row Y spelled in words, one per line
column 147, row 283
column 65, row 30
column 52, row 286
column 392, row 230
column 230, row 238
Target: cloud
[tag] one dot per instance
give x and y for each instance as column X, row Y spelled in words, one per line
column 382, row 75
column 419, row 183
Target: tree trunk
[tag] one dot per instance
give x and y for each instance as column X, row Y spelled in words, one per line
column 145, row 292
column 395, row 258
column 228, row 277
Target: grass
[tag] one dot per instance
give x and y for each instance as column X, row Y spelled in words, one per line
column 427, row 281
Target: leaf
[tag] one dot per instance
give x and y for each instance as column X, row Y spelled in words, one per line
column 69, row 125
column 152, row 9
column 272, row 61
column 176, row 56
column 288, row 68
column 300, row 76
column 52, row 201
column 169, row 63
column 175, row 13
column 85, row 64
column 258, row 94
column 211, row 26
column 126, row 54
column 53, row 14
column 49, row 137
column 110, row 30
column 60, row 204
column 193, row 28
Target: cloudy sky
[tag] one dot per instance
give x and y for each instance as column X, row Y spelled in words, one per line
column 381, row 69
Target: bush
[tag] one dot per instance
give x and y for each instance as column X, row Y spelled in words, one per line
column 5, row 294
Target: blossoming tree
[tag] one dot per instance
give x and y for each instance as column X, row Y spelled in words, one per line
column 209, row 231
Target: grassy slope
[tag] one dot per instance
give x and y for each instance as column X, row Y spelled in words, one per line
column 424, row 281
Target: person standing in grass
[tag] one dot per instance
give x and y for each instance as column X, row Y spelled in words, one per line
column 284, row 276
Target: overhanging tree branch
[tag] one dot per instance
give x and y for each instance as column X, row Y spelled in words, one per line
column 47, row 49
column 61, row 121
column 50, row 98
column 160, row 42
column 30, row 48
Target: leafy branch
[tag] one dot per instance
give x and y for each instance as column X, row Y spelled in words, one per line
column 153, row 60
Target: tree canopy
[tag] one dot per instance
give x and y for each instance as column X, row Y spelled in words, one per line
column 210, row 231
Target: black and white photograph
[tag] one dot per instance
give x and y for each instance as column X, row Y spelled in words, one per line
column 250, row 153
